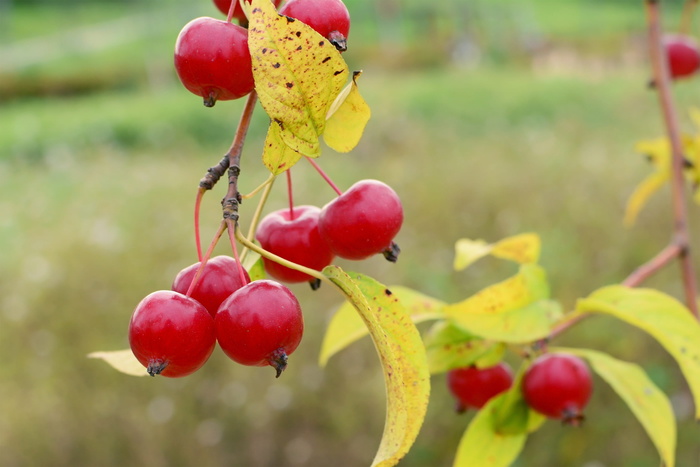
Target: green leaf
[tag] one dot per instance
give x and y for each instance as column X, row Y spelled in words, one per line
column 346, row 326
column 663, row 317
column 642, row 396
column 482, row 446
column 297, row 73
column 121, row 360
column 402, row 356
column 511, row 414
column 449, row 347
column 523, row 248
column 516, row 310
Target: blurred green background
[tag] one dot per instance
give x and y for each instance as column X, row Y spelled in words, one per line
column 490, row 118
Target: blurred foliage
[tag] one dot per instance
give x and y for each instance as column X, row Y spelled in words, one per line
column 483, row 135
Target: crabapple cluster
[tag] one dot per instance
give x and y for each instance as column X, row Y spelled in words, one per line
column 212, row 58
column 357, row 224
column 683, row 55
column 556, row 385
column 173, row 332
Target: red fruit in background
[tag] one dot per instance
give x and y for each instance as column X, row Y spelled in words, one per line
column 683, row 55
column 223, row 6
column 330, row 18
column 219, row 279
column 171, row 334
column 473, row 387
column 260, row 324
column 296, row 239
column 212, row 60
column 558, row 386
column 362, row 221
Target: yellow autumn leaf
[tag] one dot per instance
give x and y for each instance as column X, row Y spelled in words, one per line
column 121, row 360
column 662, row 317
column 646, row 401
column 402, row 357
column 347, row 118
column 277, row 156
column 642, row 193
column 522, row 248
column 297, row 73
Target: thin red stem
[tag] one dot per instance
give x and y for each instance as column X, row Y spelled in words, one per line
column 324, row 175
column 290, row 194
column 231, row 226
column 197, row 235
column 229, row 17
column 680, row 209
column 650, row 268
column 203, row 261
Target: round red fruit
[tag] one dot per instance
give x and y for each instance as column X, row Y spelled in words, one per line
column 212, row 60
column 473, row 387
column 558, row 386
column 171, row 334
column 362, row 221
column 683, row 55
column 330, row 18
column 224, row 5
column 219, row 279
column 260, row 324
column 293, row 234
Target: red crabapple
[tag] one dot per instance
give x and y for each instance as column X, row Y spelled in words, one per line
column 330, row 18
column 473, row 387
column 683, row 55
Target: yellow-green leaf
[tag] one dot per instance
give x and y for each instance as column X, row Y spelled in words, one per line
column 660, row 315
column 297, row 72
column 482, row 446
column 402, row 355
column 641, row 194
column 346, row 326
column 121, row 360
column 511, row 414
column 646, row 401
column 277, row 156
column 516, row 310
column 347, row 118
column 449, row 347
column 522, row 248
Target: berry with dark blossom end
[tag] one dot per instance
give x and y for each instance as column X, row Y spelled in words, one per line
column 171, row 334
column 473, row 387
column 293, row 234
column 212, row 60
column 330, row 18
column 683, row 55
column 363, row 221
column 219, row 279
column 260, row 324
column 559, row 386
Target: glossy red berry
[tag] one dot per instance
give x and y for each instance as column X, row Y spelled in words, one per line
column 212, row 60
column 223, row 6
column 171, row 334
column 330, row 18
column 363, row 221
column 473, row 387
column 683, row 55
column 294, row 235
column 260, row 324
column 558, row 386
column 219, row 279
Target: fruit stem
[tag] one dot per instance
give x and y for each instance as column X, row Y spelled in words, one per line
column 269, row 180
column 324, row 175
column 258, row 213
column 231, row 8
column 278, row 259
column 205, row 258
column 231, row 227
column 290, row 194
column 197, row 235
column 681, row 236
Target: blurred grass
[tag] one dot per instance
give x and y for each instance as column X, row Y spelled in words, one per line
column 95, row 212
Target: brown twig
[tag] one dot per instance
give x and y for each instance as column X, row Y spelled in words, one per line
column 681, row 237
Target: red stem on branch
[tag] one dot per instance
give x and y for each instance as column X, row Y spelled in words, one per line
column 681, row 238
column 290, row 194
column 324, row 175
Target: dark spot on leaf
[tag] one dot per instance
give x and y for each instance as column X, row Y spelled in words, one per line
column 289, row 85
column 255, row 10
column 322, row 43
column 290, row 20
column 387, row 291
column 299, row 48
column 337, row 73
column 326, row 59
column 298, row 33
column 276, row 65
column 683, row 350
column 264, row 50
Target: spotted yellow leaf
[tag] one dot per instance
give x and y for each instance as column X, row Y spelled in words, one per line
column 347, row 118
